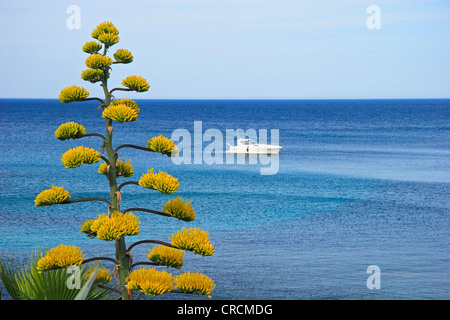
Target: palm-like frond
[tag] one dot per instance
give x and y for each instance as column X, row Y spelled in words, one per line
column 25, row 282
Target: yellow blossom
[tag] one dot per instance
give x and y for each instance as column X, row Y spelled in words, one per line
column 108, row 39
column 55, row 195
column 150, row 281
column 73, row 93
column 93, row 75
column 179, row 209
column 195, row 283
column 123, row 168
column 86, row 228
column 123, row 56
column 104, row 27
column 162, row 181
column 167, row 256
column 103, row 275
column 111, row 228
column 92, row 47
column 81, row 155
column 61, row 256
column 98, row 61
column 163, row 145
column 136, row 83
column 128, row 102
column 194, row 240
column 70, row 130
column 120, row 113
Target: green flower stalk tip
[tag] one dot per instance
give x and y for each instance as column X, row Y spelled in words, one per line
column 136, row 83
column 73, row 93
column 92, row 47
column 98, row 61
column 163, row 145
column 55, row 195
column 104, row 27
column 81, row 155
column 123, row 56
column 179, row 209
column 70, row 130
column 120, row 113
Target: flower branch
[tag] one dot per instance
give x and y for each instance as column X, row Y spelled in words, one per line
column 149, row 241
column 148, row 210
column 87, row 199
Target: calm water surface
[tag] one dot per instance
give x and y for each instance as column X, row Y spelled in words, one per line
column 360, row 183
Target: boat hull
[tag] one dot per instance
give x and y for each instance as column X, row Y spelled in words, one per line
column 250, row 151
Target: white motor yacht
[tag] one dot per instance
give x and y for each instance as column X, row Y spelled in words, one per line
column 247, row 146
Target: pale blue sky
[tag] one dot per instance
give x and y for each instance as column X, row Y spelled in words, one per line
column 226, row 49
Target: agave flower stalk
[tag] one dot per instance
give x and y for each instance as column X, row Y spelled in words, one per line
column 115, row 225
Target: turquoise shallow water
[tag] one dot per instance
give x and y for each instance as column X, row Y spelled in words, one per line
column 360, row 182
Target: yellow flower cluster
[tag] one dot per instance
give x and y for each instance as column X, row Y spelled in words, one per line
column 61, row 257
column 55, row 195
column 110, row 228
column 123, row 169
column 123, row 56
column 167, row 256
column 92, row 47
column 162, row 181
column 163, row 145
column 98, row 61
column 92, row 75
column 195, row 283
column 108, row 39
column 120, row 113
column 70, row 130
column 104, row 27
column 136, row 83
column 73, row 93
column 128, row 102
column 86, row 228
column 179, row 209
column 150, row 281
column 194, row 240
column 103, row 275
column 153, row 282
column 81, row 155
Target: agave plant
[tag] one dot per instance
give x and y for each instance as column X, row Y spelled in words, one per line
column 116, row 223
column 26, row 282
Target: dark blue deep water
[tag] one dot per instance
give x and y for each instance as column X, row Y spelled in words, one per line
column 360, row 183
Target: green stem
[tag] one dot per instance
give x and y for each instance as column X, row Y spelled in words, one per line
column 92, row 135
column 127, row 182
column 147, row 210
column 132, row 146
column 121, row 256
column 87, row 199
column 121, row 89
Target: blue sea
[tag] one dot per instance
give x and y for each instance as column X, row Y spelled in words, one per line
column 359, row 183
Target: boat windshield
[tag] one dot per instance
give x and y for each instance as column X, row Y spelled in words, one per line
column 248, row 142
